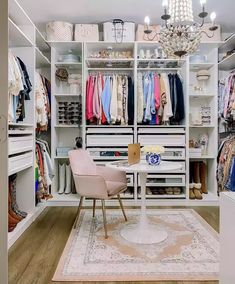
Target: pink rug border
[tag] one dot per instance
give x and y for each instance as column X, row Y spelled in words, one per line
column 58, row 277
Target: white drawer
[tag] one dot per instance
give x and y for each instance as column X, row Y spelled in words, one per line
column 160, row 130
column 109, row 154
column 104, row 130
column 164, row 140
column 164, row 180
column 171, row 154
column 20, row 162
column 109, row 140
column 20, row 144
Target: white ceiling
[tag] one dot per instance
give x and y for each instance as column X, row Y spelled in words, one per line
column 96, row 11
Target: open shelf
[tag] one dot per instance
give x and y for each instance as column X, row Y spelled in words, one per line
column 228, row 44
column 200, row 96
column 201, row 126
column 41, row 60
column 61, row 157
column 69, row 65
column 67, row 126
column 227, row 63
column 204, row 157
column 67, row 95
column 22, row 168
column 17, row 38
column 201, row 66
column 21, row 124
column 109, row 62
column 165, row 196
column 160, row 63
column 41, row 42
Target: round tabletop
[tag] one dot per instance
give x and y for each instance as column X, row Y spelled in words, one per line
column 143, row 167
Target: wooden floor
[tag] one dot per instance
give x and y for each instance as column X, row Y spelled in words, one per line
column 34, row 257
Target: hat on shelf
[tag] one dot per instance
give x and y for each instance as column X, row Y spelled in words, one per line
column 203, row 75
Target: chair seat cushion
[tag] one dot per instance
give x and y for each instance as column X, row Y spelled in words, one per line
column 114, row 187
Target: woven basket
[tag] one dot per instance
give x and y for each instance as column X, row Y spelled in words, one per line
column 59, row 31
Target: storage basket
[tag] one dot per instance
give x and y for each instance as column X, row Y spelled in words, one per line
column 119, row 31
column 59, row 31
column 86, row 32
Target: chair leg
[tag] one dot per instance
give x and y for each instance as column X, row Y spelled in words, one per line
column 93, row 208
column 104, row 217
column 78, row 212
column 121, row 205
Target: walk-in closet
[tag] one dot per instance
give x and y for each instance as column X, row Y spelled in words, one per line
column 130, row 105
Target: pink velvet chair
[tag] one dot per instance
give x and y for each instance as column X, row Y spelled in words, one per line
column 97, row 182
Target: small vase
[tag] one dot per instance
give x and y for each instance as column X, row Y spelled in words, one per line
column 153, row 159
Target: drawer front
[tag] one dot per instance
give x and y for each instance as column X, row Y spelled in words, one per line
column 109, row 130
column 164, row 140
column 108, row 154
column 20, row 144
column 109, row 140
column 171, row 154
column 160, row 130
column 16, row 163
column 164, row 180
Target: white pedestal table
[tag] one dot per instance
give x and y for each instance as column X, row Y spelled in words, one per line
column 144, row 232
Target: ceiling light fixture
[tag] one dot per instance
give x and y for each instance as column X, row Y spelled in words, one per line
column 180, row 35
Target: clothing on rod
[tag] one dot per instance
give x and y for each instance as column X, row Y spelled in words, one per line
column 109, row 99
column 160, row 98
column 44, row 171
column 42, row 102
column 19, row 88
column 226, row 103
column 226, row 164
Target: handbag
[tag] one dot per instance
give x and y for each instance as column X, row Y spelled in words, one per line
column 142, row 36
column 59, row 31
column 119, row 31
column 86, row 32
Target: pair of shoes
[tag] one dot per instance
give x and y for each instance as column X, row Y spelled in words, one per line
column 15, row 215
column 195, row 191
column 65, row 179
column 198, row 176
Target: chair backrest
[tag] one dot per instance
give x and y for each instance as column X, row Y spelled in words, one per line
column 81, row 162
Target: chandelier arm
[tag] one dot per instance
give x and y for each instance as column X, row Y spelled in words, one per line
column 203, row 22
column 209, row 36
column 151, row 39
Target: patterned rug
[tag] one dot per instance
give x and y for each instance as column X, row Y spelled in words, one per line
column 191, row 251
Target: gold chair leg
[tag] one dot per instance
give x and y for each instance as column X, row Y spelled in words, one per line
column 104, row 217
column 121, row 205
column 78, row 212
column 94, row 207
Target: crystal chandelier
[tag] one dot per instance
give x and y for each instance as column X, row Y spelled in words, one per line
column 180, row 35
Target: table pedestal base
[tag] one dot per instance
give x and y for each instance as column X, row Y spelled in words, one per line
column 143, row 233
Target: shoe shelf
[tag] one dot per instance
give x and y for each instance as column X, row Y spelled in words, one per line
column 228, row 44
column 41, row 60
column 164, row 196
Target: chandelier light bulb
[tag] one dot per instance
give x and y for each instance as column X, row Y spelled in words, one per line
column 147, row 20
column 165, row 3
column 203, row 2
column 213, row 16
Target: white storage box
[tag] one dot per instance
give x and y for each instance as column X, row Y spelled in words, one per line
column 119, row 32
column 86, row 32
column 20, row 144
column 63, row 151
column 20, row 162
column 59, row 31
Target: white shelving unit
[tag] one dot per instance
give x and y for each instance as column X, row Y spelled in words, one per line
column 26, row 42
column 96, row 136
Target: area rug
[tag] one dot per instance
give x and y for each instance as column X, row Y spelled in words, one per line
column 191, row 251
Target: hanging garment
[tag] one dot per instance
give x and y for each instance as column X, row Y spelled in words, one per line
column 107, row 99
column 140, row 97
